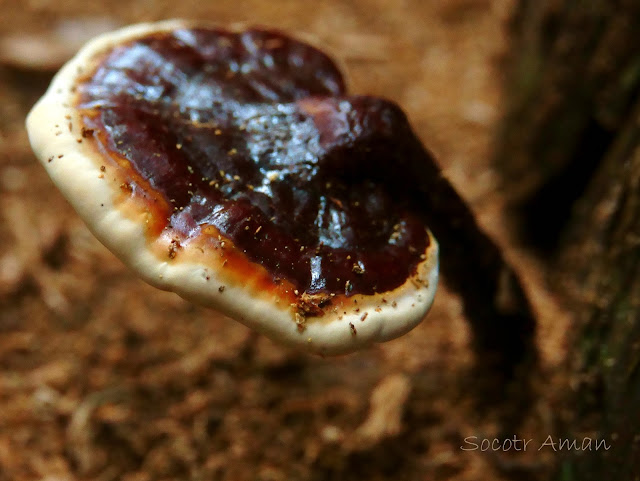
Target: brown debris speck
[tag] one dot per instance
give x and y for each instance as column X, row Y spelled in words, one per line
column 354, row 331
column 312, row 304
column 86, row 132
column 301, row 321
column 173, row 248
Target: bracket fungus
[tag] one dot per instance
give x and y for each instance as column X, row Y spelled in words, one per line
column 232, row 168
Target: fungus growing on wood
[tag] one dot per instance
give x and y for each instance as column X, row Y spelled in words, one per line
column 232, row 168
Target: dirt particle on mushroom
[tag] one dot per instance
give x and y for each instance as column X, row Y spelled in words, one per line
column 312, row 304
column 221, row 289
column 364, row 316
column 173, row 248
column 301, row 322
column 354, row 331
column 358, row 268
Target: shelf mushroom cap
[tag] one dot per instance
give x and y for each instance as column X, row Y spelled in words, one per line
column 217, row 164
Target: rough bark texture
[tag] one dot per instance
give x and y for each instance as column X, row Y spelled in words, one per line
column 602, row 262
column 575, row 71
column 569, row 152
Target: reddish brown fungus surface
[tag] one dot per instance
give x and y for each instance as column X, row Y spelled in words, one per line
column 252, row 133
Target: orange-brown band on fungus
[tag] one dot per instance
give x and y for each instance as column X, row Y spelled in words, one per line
column 242, row 144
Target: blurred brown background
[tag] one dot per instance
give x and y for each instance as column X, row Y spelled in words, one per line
column 103, row 377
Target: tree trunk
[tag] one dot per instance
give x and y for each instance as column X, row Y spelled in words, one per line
column 569, row 152
column 602, row 262
column 575, row 71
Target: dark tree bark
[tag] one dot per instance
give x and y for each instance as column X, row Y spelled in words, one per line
column 575, row 72
column 602, row 261
column 569, row 151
